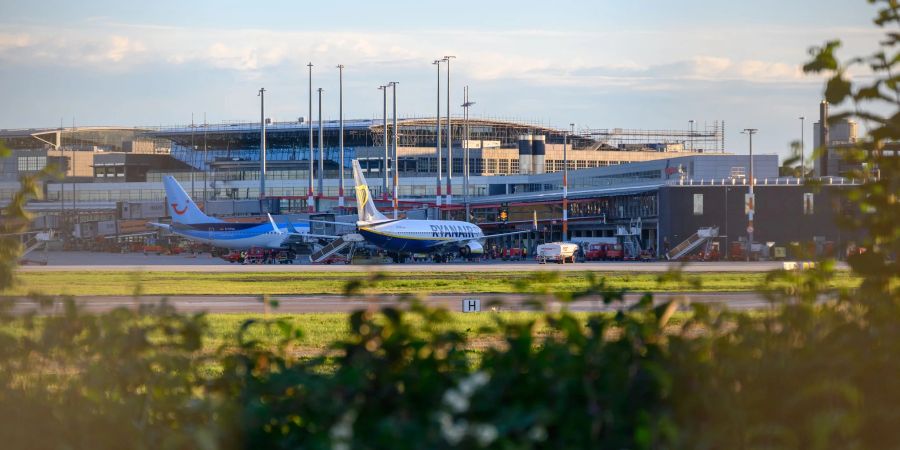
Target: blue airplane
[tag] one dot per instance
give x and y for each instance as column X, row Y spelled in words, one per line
column 191, row 223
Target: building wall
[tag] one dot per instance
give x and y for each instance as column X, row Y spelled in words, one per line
column 157, row 146
column 78, row 163
column 780, row 216
column 505, row 161
column 843, row 132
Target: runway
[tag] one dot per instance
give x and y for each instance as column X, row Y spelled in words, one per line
column 135, row 262
column 338, row 304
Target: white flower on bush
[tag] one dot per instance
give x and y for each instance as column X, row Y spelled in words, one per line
column 469, row 384
column 484, row 434
column 537, row 433
column 452, row 432
column 341, row 433
column 457, row 401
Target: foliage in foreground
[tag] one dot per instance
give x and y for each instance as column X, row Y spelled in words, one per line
column 811, row 375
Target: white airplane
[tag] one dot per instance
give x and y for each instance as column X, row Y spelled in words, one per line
column 415, row 236
column 188, row 221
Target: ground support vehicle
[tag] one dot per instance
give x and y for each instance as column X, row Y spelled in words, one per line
column 558, row 252
column 614, row 252
column 284, row 257
column 234, row 257
column 595, row 252
column 335, row 259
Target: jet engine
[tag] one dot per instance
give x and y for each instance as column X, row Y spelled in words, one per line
column 471, row 248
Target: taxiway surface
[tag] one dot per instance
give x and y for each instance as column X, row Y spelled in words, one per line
column 73, row 261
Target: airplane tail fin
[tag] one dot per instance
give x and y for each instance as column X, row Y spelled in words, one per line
column 180, row 206
column 290, row 226
column 365, row 207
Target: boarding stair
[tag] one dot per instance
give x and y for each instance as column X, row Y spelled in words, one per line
column 702, row 236
column 630, row 237
column 33, row 242
column 335, row 246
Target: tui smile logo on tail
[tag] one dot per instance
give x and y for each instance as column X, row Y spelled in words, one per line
column 181, row 211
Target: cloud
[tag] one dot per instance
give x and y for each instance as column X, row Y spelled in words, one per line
column 539, row 57
column 668, row 75
column 104, row 52
column 114, row 49
column 13, row 41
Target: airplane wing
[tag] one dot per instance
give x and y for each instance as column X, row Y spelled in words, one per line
column 506, row 234
column 163, row 226
column 324, row 236
column 346, row 224
column 292, row 230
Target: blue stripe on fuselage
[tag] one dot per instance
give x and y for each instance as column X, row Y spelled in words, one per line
column 228, row 231
column 399, row 244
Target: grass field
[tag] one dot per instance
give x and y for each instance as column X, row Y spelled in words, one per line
column 82, row 283
column 319, row 330
column 322, row 329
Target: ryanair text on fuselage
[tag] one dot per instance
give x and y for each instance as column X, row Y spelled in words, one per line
column 461, row 231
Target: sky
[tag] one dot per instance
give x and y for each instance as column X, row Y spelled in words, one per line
column 647, row 64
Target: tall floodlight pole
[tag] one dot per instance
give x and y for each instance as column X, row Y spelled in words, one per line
column 466, row 104
column 394, row 143
column 802, row 162
column 384, row 171
column 341, row 139
column 193, row 158
column 751, row 202
column 262, row 143
column 449, row 137
column 565, row 222
column 437, row 129
column 321, row 176
column 691, row 122
column 205, row 159
column 74, row 168
column 62, row 186
column 310, row 201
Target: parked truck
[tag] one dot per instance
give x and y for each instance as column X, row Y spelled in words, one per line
column 558, row 252
column 596, row 248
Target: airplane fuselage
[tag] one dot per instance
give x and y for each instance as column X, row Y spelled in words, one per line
column 237, row 236
column 420, row 236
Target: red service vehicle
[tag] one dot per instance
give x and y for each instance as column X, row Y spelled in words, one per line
column 736, row 251
column 335, row 259
column 256, row 256
column 234, row 257
column 614, row 252
column 158, row 249
column 512, row 253
column 595, row 252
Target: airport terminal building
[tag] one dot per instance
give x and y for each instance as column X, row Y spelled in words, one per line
column 659, row 185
